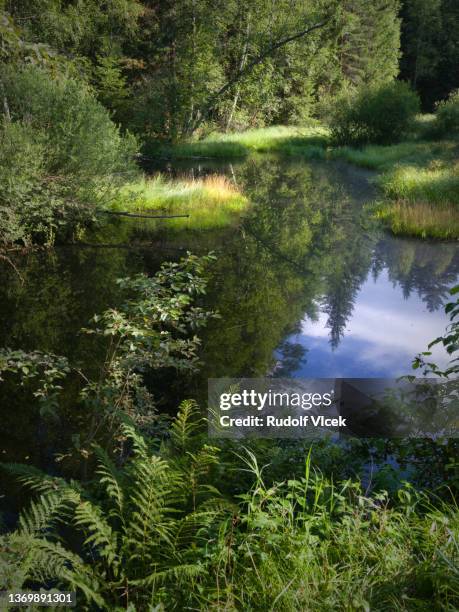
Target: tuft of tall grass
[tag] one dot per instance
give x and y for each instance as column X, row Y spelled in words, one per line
column 421, row 219
column 213, row 201
column 312, row 544
column 436, row 184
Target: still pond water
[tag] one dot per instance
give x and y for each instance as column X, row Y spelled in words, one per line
column 305, row 284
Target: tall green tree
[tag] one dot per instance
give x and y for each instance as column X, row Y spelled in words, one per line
column 430, row 47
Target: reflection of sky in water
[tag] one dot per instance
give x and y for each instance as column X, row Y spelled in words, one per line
column 383, row 334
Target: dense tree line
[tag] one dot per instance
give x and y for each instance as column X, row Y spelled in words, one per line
column 167, row 68
column 430, row 48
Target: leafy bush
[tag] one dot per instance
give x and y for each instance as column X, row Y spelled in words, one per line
column 448, row 115
column 155, row 327
column 60, row 155
column 379, row 115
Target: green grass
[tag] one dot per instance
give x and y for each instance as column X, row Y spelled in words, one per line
column 210, row 202
column 305, row 141
column 420, row 219
column 419, row 178
column 156, row 533
column 420, row 182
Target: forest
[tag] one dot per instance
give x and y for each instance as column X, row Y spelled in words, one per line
column 201, row 190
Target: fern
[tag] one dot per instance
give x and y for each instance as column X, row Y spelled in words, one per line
column 112, row 480
column 101, row 535
column 33, row 478
column 138, row 534
column 45, row 511
column 186, row 424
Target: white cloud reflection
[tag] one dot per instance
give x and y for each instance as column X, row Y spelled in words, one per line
column 381, row 338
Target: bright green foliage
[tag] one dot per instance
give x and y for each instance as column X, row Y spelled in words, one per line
column 61, row 155
column 155, row 530
column 206, row 203
column 304, row 141
column 142, row 533
column 380, row 115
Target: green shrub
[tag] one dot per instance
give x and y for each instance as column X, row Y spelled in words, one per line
column 448, row 115
column 379, row 115
column 60, row 155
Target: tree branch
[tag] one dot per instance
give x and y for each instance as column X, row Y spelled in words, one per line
column 249, row 67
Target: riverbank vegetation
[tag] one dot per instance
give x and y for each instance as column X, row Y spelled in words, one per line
column 78, row 80
column 211, row 202
column 169, row 518
column 157, row 531
column 124, row 500
column 61, row 156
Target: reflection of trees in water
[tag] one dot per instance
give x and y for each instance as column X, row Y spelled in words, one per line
column 293, row 356
column 297, row 244
column 429, row 269
column 306, row 217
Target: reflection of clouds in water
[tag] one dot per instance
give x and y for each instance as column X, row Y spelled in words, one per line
column 382, row 336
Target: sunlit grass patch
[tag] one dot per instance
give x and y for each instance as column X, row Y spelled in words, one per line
column 213, row 201
column 421, row 219
column 420, row 181
column 425, row 200
column 436, row 184
column 378, row 157
column 307, row 141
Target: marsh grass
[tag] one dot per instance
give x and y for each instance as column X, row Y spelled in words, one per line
column 421, row 219
column 420, row 182
column 419, row 177
column 436, row 184
column 304, row 141
column 213, row 201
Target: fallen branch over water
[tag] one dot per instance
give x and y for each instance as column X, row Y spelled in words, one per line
column 128, row 214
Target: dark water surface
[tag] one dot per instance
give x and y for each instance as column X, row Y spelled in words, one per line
column 305, row 283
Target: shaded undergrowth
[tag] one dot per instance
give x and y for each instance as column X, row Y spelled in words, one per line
column 155, row 530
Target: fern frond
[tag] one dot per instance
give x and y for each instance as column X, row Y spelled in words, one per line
column 185, row 424
column 33, row 478
column 90, row 517
column 111, row 478
column 71, row 571
column 42, row 513
column 151, row 499
column 138, row 442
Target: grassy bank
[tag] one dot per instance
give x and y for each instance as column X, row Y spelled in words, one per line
column 307, row 141
column 210, row 202
column 157, row 532
column 420, row 184
column 419, row 178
